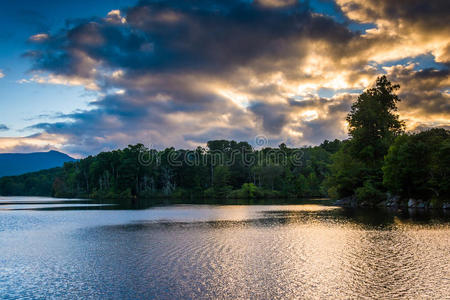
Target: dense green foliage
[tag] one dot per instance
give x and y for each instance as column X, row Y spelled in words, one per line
column 378, row 158
column 31, row 184
column 418, row 165
column 224, row 169
column 373, row 126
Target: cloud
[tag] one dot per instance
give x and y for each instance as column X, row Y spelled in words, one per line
column 181, row 72
column 61, row 80
column 276, row 3
column 274, row 117
column 3, row 127
column 114, row 16
column 412, row 28
column 33, row 143
column 2, row 74
column 40, row 37
column 425, row 94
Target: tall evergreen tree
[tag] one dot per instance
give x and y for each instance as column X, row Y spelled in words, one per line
column 373, row 125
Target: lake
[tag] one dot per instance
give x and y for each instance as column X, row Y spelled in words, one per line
column 56, row 248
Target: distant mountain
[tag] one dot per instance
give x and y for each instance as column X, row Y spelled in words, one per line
column 20, row 163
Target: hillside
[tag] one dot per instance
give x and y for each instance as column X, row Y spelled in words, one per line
column 19, row 163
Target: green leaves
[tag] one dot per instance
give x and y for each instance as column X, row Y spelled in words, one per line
column 373, row 126
column 373, row 123
column 418, row 165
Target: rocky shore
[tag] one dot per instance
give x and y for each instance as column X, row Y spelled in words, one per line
column 393, row 201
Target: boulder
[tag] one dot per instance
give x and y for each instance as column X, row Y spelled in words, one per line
column 347, row 201
column 421, row 204
column 392, row 200
column 365, row 204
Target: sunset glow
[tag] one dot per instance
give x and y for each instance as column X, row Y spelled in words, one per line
column 174, row 73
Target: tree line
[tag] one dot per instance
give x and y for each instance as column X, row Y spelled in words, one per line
column 222, row 170
column 378, row 158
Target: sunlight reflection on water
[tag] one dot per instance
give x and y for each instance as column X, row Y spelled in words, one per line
column 239, row 252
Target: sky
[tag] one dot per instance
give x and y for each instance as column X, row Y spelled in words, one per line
column 83, row 76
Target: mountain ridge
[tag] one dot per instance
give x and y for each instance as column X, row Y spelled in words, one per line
column 12, row 164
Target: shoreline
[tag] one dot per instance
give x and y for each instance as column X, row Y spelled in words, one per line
column 395, row 202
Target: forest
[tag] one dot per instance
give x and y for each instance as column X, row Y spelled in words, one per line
column 225, row 169
column 378, row 159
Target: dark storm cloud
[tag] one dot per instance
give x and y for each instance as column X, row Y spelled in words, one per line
column 308, row 102
column 239, row 134
column 169, row 54
column 425, row 90
column 424, row 127
column 182, row 72
column 428, row 15
column 274, row 117
column 190, row 36
column 415, row 26
column 331, row 105
column 316, row 131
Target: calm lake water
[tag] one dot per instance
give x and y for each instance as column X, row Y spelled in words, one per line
column 78, row 249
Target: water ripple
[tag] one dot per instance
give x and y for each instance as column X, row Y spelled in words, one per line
column 289, row 252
